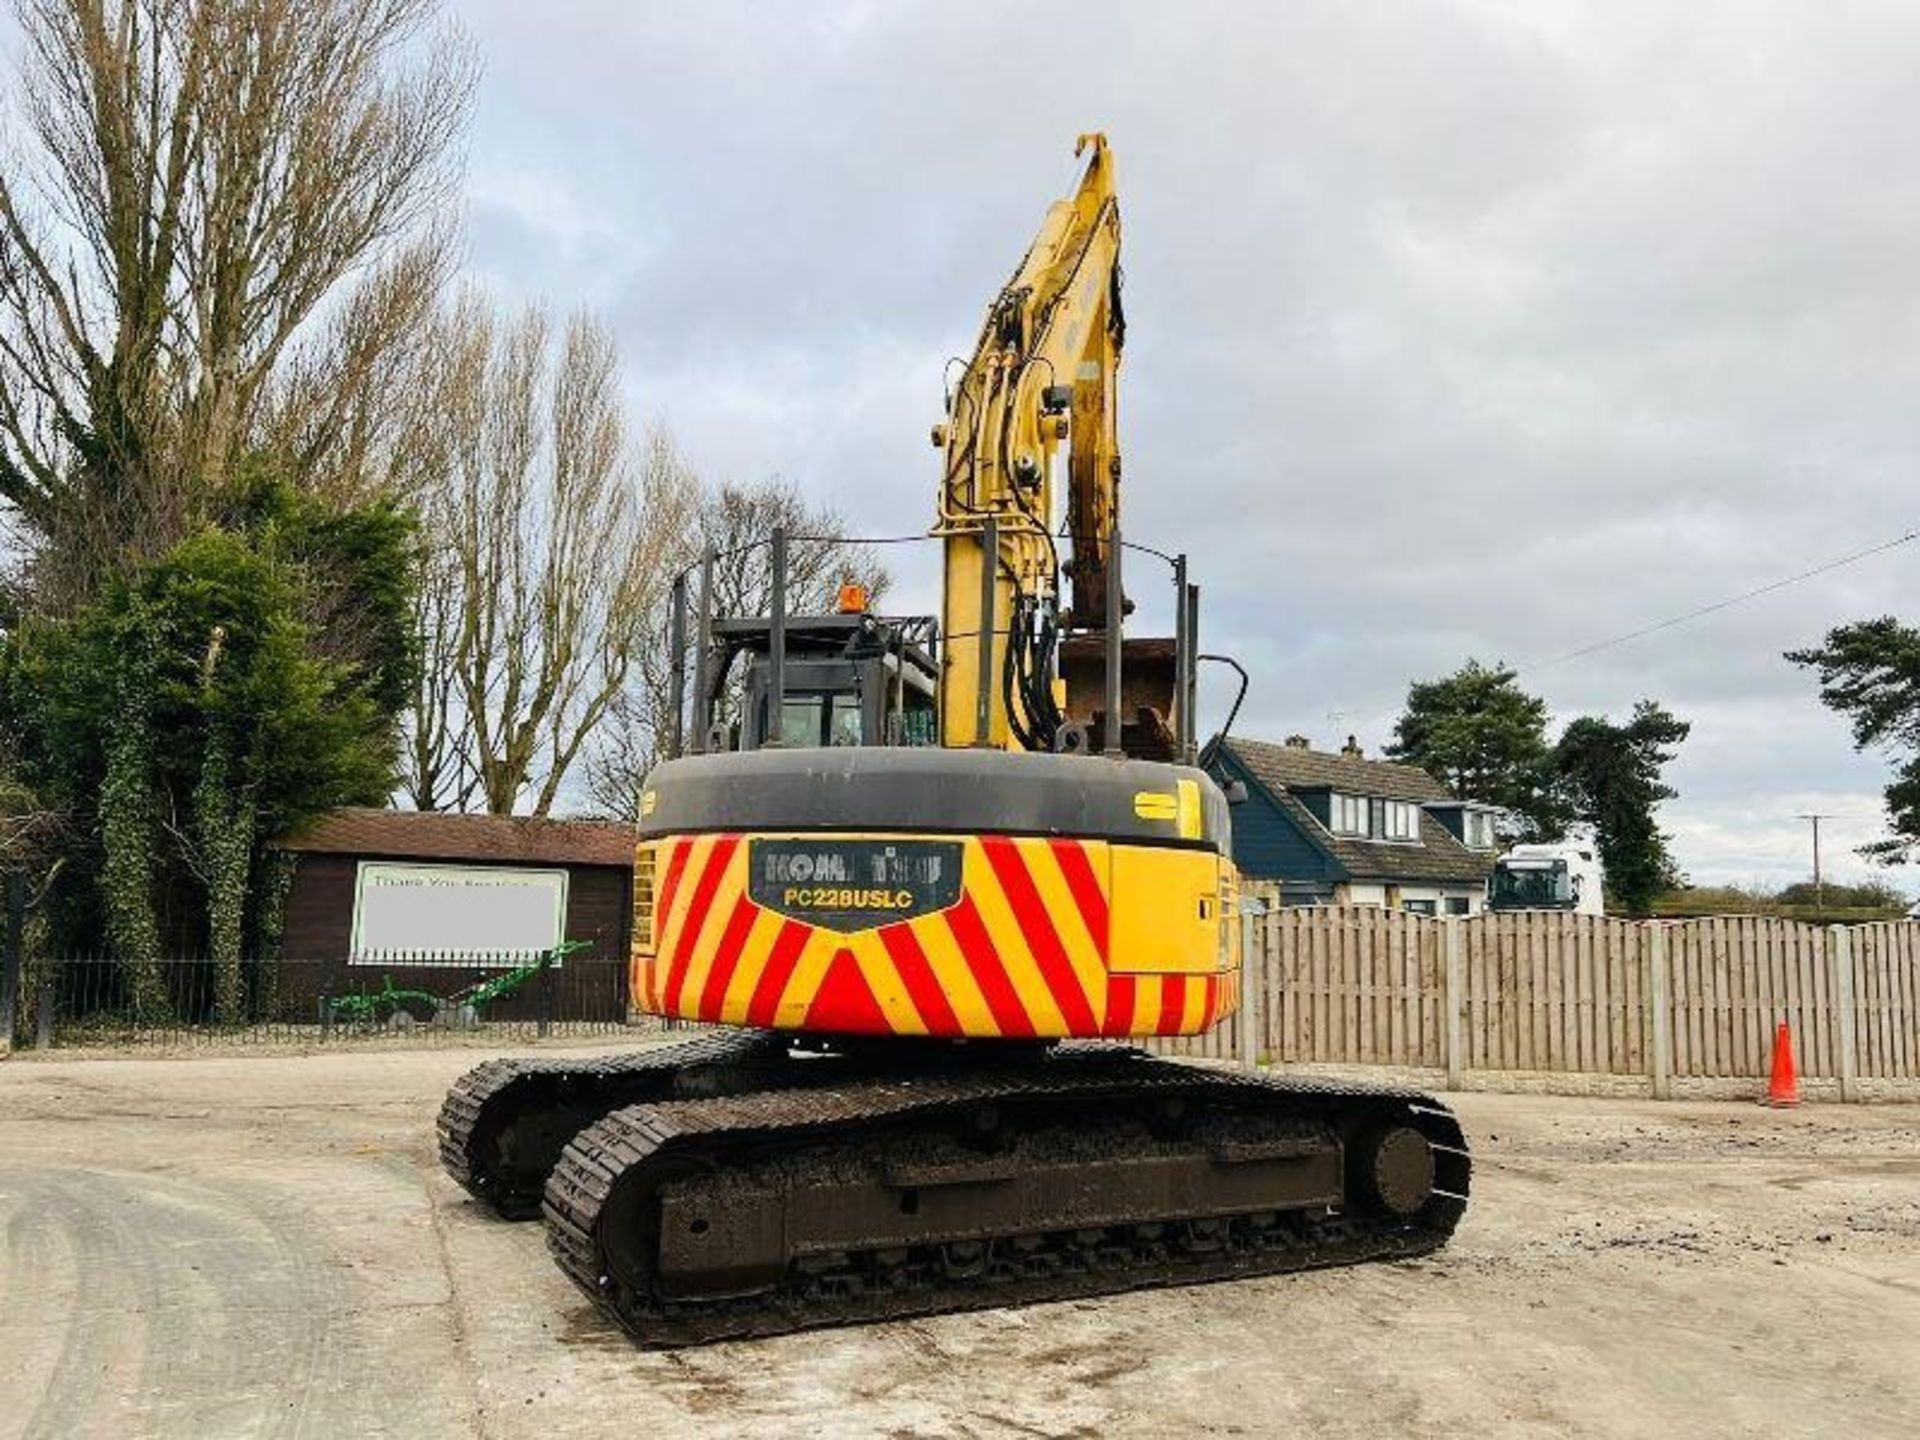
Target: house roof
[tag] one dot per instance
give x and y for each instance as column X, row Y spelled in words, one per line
column 1284, row 769
column 1293, row 767
column 437, row 835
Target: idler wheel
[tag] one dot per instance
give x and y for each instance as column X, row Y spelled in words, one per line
column 1392, row 1169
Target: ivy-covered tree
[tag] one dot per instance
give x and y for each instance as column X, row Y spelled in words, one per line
column 1484, row 738
column 1612, row 777
column 247, row 680
column 224, row 228
column 1870, row 672
column 126, row 799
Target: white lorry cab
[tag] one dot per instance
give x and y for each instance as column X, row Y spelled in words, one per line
column 1561, row 876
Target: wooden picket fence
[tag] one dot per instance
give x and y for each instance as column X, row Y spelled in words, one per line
column 1555, row 1001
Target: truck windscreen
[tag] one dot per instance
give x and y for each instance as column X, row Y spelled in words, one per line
column 1538, row 886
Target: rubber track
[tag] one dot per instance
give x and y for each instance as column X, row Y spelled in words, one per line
column 500, row 1093
column 586, row 1177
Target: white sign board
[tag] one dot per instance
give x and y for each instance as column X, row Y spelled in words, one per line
column 455, row 914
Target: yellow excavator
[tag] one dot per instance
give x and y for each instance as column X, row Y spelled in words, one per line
column 922, row 878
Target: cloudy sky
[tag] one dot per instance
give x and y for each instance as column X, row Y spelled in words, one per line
column 1456, row 329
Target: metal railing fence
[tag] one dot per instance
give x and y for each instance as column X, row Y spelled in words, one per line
column 96, row 1001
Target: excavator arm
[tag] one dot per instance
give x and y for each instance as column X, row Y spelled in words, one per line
column 1041, row 379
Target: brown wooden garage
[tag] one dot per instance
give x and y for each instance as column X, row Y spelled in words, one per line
column 596, row 858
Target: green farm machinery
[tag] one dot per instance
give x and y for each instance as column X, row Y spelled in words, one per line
column 395, row 1007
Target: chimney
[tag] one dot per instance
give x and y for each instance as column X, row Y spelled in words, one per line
column 1298, row 742
column 1352, row 749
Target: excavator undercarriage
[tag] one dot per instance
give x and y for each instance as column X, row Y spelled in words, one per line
column 744, row 1188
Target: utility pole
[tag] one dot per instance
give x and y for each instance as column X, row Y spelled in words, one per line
column 1819, row 888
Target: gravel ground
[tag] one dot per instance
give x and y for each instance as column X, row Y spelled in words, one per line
column 267, row 1247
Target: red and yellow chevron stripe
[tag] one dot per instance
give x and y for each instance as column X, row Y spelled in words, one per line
column 1024, row 952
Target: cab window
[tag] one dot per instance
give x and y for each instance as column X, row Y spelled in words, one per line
column 800, row 721
column 844, row 725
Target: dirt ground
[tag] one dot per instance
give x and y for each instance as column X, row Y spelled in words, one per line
column 267, row 1247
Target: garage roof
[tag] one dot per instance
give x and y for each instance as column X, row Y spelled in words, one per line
column 437, row 835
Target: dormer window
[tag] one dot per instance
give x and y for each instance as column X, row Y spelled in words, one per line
column 1364, row 818
column 1479, row 828
column 1350, row 815
column 1401, row 821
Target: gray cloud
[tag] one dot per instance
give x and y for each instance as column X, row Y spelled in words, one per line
column 1457, row 329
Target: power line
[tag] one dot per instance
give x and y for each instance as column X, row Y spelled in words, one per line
column 1690, row 615
column 1720, row 605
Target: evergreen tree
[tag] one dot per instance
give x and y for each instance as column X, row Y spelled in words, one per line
column 1870, row 672
column 1611, row 774
column 1484, row 738
column 241, row 684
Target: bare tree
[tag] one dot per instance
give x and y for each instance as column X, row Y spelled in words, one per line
column 437, row 762
column 424, row 446
column 631, row 741
column 348, row 408
column 737, row 520
column 561, row 540
column 204, row 176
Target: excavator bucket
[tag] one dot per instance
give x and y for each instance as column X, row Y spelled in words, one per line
column 1149, row 680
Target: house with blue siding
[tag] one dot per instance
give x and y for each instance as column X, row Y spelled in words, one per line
column 1335, row 828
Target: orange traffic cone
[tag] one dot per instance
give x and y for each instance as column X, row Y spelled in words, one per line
column 1784, row 1088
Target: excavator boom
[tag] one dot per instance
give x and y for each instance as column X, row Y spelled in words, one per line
column 1041, row 379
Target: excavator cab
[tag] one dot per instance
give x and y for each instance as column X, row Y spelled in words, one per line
column 845, row 680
